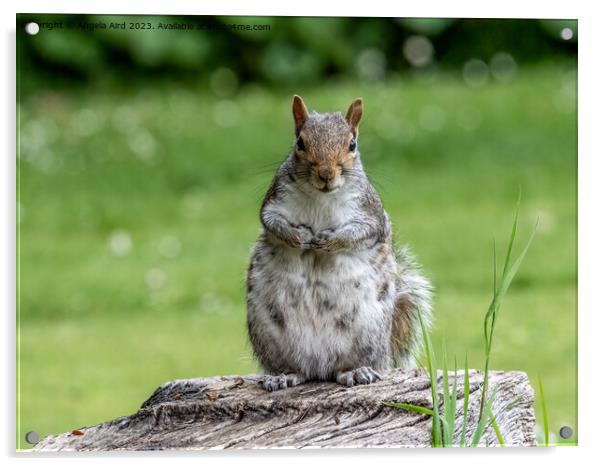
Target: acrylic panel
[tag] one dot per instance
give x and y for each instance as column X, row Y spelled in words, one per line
column 387, row 260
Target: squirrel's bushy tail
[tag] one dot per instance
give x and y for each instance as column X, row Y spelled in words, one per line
column 414, row 293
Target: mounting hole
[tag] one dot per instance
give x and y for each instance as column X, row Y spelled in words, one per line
column 566, row 432
column 32, row 437
column 32, row 28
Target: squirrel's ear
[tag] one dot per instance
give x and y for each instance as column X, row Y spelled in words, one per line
column 354, row 114
column 300, row 113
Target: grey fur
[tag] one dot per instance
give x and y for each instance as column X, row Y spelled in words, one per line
column 328, row 296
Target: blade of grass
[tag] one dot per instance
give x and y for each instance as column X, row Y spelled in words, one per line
column 446, row 433
column 443, row 423
column 483, row 420
column 546, row 427
column 494, row 269
column 445, row 427
column 513, row 234
column 436, row 430
column 409, row 407
column 490, row 318
column 488, row 315
column 486, row 325
column 498, row 433
column 450, row 414
column 490, row 311
column 510, row 274
column 466, row 395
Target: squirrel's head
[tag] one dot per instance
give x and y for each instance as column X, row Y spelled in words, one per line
column 325, row 151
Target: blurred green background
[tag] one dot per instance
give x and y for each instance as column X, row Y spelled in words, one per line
column 144, row 156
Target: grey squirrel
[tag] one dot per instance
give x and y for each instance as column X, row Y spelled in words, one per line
column 328, row 295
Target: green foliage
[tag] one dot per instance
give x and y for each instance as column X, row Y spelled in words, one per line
column 485, row 418
column 465, row 403
column 498, row 432
column 449, row 403
column 410, row 407
column 443, row 424
column 437, row 433
column 554, row 26
column 544, row 410
column 428, row 26
column 290, row 51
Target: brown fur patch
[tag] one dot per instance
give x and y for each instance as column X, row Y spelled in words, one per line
column 400, row 331
column 383, row 253
column 383, row 290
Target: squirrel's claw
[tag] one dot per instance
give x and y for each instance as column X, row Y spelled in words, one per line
column 278, row 382
column 361, row 375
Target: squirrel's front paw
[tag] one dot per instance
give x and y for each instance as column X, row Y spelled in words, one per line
column 324, row 239
column 361, row 375
column 278, row 382
column 304, row 236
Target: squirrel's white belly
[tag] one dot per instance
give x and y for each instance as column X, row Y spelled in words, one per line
column 322, row 312
column 329, row 303
column 321, row 212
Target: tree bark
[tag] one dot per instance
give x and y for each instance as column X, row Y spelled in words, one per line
column 234, row 412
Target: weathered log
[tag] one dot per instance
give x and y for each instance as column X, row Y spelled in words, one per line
column 235, row 412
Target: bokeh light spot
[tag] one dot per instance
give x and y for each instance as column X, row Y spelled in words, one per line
column 371, row 64
column 226, row 113
column 143, row 144
column 155, row 278
column 120, row 243
column 546, row 220
column 86, row 122
column 475, row 72
column 566, row 33
column 125, row 119
column 503, row 67
column 418, row 51
column 223, row 82
column 213, row 303
column 32, row 28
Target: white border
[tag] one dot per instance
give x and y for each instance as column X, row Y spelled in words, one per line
column 590, row 153
column 441, row 8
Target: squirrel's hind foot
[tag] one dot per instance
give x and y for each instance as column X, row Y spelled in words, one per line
column 361, row 375
column 278, row 382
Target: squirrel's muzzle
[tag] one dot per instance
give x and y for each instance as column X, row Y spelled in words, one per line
column 327, row 179
column 326, row 175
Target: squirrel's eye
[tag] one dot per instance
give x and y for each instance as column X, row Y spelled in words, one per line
column 352, row 145
column 300, row 144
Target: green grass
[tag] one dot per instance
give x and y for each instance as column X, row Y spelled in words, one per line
column 544, row 413
column 100, row 331
column 443, row 423
column 508, row 274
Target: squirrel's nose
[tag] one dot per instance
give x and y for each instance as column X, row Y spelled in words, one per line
column 326, row 177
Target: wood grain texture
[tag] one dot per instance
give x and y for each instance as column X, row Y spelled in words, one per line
column 234, row 412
